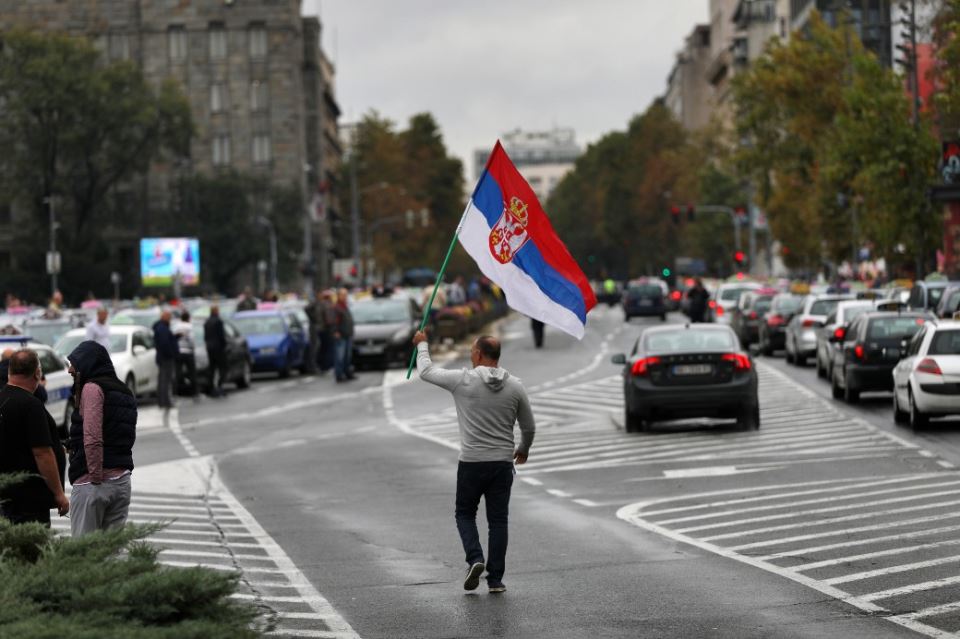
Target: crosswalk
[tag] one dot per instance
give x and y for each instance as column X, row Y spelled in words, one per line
column 215, row 531
column 888, row 545
column 580, row 428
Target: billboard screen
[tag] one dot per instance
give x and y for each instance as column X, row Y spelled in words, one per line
column 161, row 258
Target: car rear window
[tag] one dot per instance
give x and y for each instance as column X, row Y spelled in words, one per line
column 645, row 290
column 823, row 307
column 945, row 343
column 689, row 340
column 732, row 294
column 854, row 311
column 893, row 327
column 787, row 304
column 762, row 305
column 934, row 295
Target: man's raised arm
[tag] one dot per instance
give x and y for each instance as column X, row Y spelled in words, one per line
column 428, row 371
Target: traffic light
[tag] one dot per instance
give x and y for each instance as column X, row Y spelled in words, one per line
column 691, row 212
column 675, row 214
column 739, row 257
column 666, row 271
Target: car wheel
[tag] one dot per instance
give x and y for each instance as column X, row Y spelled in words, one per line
column 850, row 394
column 632, row 423
column 766, row 348
column 789, row 353
column 749, row 417
column 131, row 383
column 284, row 371
column 800, row 360
column 663, row 317
column 246, row 376
column 821, row 371
column 918, row 420
column 899, row 416
column 835, row 389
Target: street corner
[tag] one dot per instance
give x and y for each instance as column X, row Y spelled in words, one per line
column 187, row 476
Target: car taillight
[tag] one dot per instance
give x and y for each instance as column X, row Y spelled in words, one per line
column 929, row 366
column 753, row 315
column 774, row 320
column 740, row 362
column 839, row 333
column 642, row 366
column 719, row 310
column 858, row 351
column 676, row 295
column 807, row 323
column 712, row 303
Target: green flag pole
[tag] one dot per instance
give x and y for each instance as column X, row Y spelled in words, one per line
column 443, row 269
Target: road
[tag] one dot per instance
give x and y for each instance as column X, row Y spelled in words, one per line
column 336, row 503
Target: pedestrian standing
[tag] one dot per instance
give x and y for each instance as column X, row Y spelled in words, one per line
column 489, row 402
column 247, row 302
column 166, row 344
column 343, row 338
column 698, row 299
column 98, row 331
column 103, row 430
column 215, row 338
column 537, row 327
column 186, row 370
column 29, row 444
column 327, row 320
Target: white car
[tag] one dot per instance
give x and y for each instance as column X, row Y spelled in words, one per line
column 926, row 382
column 59, row 382
column 131, row 350
column 727, row 297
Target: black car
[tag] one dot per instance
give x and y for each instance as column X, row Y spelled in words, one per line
column 746, row 317
column 383, row 330
column 772, row 332
column 696, row 370
column 870, row 351
column 644, row 299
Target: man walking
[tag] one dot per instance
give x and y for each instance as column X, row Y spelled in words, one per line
column 98, row 331
column 698, row 299
column 103, row 430
column 167, row 351
column 343, row 336
column 29, row 444
column 489, row 402
column 215, row 339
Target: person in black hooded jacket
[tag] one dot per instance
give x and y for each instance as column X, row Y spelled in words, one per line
column 102, row 434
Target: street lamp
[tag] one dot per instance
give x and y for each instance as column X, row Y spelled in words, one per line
column 272, row 233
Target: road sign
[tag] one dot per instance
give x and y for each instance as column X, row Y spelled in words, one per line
column 53, row 262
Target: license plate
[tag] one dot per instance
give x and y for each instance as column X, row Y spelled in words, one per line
column 891, row 353
column 369, row 350
column 693, row 369
column 646, row 303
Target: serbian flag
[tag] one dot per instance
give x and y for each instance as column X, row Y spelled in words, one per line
column 506, row 232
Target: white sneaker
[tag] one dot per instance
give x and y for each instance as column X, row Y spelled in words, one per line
column 472, row 578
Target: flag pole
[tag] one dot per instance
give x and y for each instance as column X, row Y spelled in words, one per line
column 436, row 286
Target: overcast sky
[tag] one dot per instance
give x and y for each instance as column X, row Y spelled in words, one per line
column 483, row 68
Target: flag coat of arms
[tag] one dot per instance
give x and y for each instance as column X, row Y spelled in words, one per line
column 507, row 233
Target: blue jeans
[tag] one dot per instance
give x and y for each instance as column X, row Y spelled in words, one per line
column 343, row 356
column 492, row 481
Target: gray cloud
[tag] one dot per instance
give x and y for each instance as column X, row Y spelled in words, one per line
column 483, row 68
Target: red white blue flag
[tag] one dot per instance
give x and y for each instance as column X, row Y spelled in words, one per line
column 506, row 232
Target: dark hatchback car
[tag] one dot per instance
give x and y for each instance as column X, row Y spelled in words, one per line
column 870, row 351
column 644, row 299
column 747, row 316
column 383, row 330
column 696, row 370
column 773, row 327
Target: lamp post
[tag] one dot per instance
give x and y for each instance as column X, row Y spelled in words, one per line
column 272, row 233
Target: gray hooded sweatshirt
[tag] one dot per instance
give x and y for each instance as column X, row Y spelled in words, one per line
column 489, row 402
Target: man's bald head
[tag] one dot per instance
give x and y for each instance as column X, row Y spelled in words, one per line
column 7, row 354
column 485, row 351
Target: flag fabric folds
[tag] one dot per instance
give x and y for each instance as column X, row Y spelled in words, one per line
column 507, row 233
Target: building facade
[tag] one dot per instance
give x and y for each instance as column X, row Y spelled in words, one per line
column 870, row 18
column 542, row 157
column 689, row 96
column 260, row 89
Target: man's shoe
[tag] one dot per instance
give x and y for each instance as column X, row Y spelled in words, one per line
column 496, row 587
column 472, row 580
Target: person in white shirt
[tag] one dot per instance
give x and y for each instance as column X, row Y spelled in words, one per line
column 98, row 331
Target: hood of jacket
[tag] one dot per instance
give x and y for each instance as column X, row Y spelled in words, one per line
column 494, row 378
column 91, row 361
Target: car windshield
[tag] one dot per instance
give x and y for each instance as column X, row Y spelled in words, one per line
column 787, row 304
column 47, row 333
column 732, row 294
column 894, row 327
column 689, row 340
column 762, row 305
column 823, row 307
column 945, row 343
column 854, row 311
column 380, row 312
column 118, row 343
column 259, row 325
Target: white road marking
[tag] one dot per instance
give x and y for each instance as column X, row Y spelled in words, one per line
column 890, row 570
column 532, row 481
column 912, row 588
column 901, row 550
column 706, row 471
column 559, row 493
column 586, row 502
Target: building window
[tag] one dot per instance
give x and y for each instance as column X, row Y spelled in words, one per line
column 221, row 150
column 177, row 43
column 257, row 36
column 218, row 41
column 119, row 46
column 261, row 149
column 217, row 98
column 258, row 96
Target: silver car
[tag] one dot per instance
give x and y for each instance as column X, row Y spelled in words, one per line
column 801, row 334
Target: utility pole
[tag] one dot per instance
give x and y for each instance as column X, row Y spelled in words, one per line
column 355, row 215
column 53, row 257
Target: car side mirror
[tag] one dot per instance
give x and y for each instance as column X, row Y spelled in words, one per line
column 619, row 358
column 139, row 349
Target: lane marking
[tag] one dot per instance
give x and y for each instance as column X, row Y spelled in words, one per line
column 559, row 493
column 586, row 502
column 532, row 481
column 890, row 570
column 901, row 550
column 705, row 471
column 912, row 588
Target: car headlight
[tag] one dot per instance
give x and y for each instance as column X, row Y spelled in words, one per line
column 269, row 350
column 401, row 336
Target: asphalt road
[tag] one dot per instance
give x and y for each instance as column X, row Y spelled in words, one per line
column 827, row 522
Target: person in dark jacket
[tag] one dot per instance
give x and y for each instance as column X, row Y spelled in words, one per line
column 699, row 298
column 103, row 430
column 215, row 339
column 167, row 352
column 343, row 336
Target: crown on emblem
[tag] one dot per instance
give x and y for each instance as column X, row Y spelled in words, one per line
column 519, row 210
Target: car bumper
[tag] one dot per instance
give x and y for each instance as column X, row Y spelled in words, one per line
column 776, row 337
column 865, row 377
column 677, row 402
column 271, row 362
column 938, row 398
column 807, row 343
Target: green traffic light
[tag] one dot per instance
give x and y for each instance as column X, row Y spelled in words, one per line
column 666, row 272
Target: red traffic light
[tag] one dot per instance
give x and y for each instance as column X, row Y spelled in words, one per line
column 739, row 257
column 675, row 214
